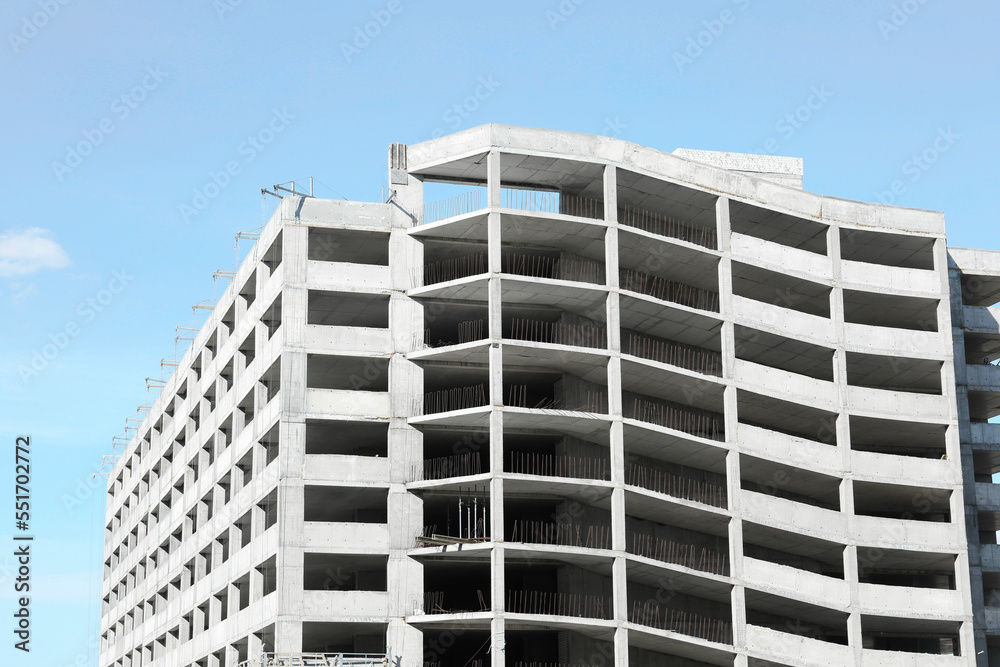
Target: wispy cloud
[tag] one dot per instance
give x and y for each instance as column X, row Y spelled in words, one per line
column 25, row 252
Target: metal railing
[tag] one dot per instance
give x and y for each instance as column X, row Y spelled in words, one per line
column 653, row 615
column 550, row 465
column 535, row 201
column 669, row 290
column 559, row 333
column 674, row 485
column 678, row 553
column 674, row 354
column 663, row 225
column 678, row 418
column 560, row 534
column 559, row 604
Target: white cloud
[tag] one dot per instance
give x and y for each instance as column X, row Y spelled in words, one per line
column 23, row 253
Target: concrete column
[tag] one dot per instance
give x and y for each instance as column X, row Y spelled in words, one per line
column 621, row 647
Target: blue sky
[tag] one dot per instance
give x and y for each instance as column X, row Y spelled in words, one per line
column 117, row 115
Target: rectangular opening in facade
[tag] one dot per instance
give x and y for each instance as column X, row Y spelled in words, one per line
column 558, row 590
column 325, row 371
column 793, row 419
column 921, row 376
column 902, row 250
column 349, row 438
column 454, row 323
column 890, row 310
column 787, row 354
column 324, row 637
column 797, row 550
column 908, row 503
column 348, row 309
column 345, row 504
column 910, row 635
column 351, row 246
column 532, row 183
column 911, row 569
column 777, row 227
column 667, row 209
column 453, row 453
column 902, row 438
column 796, row 618
column 344, row 572
column 798, row 484
column 780, row 289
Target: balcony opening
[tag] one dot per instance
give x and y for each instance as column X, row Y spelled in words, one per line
column 910, row 635
column 912, row 569
column 345, row 504
column 780, row 289
column 348, row 309
column 322, row 637
column 325, row 371
column 249, row 290
column 902, row 250
column 271, row 381
column 554, row 520
column 777, row 227
column 559, row 590
column 678, row 481
column 271, row 317
column 350, row 246
column 694, row 421
column 454, row 587
column 451, row 260
column 456, row 516
column 683, row 613
column 542, row 324
column 453, row 387
column 552, row 648
column 555, row 456
column 890, row 310
column 919, row 376
column 787, row 354
column 454, row 323
column 902, row 438
column 686, row 545
column 271, row 258
column 453, row 453
column 672, row 353
column 346, row 438
column 666, row 209
column 467, row 650
column 669, row 273
column 344, row 572
column 796, row 618
column 792, row 419
column 909, row 503
column 791, row 483
column 802, row 552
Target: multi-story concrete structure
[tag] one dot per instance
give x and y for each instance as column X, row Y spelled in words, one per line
column 609, row 406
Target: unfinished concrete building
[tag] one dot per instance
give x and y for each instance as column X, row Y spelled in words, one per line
column 605, row 406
